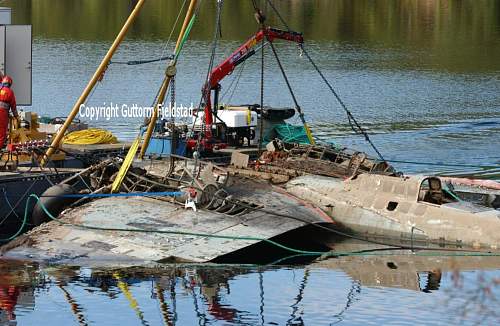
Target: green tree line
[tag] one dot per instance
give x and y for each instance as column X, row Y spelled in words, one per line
column 454, row 30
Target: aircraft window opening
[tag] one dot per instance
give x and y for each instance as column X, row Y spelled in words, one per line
column 392, row 205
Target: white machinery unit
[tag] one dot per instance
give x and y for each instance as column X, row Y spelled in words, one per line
column 233, row 117
column 15, row 56
column 240, row 124
column 237, row 118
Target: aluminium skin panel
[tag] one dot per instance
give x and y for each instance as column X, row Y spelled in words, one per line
column 18, row 54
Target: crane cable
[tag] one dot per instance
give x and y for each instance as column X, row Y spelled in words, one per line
column 204, row 95
column 297, row 106
column 141, row 62
column 233, row 85
column 353, row 123
column 261, row 18
column 164, row 49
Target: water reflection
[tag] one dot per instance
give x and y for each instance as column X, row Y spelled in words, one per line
column 326, row 292
column 422, row 75
column 444, row 33
column 17, row 285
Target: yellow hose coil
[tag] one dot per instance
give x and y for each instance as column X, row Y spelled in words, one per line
column 90, row 137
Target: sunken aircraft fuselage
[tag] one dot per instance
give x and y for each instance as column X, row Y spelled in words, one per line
column 410, row 208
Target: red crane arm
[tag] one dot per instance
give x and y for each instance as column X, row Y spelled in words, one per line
column 240, row 55
column 246, row 50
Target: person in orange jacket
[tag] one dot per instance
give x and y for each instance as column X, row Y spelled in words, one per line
column 7, row 104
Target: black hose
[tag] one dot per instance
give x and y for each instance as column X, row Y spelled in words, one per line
column 140, row 62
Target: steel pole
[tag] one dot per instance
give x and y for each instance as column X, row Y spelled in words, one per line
column 169, row 73
column 93, row 81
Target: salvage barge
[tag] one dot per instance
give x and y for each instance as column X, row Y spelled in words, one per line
column 193, row 210
column 236, row 207
column 228, row 218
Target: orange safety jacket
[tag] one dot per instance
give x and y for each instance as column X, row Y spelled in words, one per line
column 8, row 100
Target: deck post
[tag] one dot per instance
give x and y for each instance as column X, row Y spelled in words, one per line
column 93, row 81
column 169, row 74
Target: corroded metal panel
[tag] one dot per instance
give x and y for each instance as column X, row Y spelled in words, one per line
column 73, row 245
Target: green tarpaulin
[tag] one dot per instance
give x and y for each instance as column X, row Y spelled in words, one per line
column 288, row 133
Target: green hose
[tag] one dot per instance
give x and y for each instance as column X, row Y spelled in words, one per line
column 185, row 37
column 324, row 254
column 25, row 220
column 195, row 234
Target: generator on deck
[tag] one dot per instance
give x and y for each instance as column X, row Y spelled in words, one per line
column 219, row 126
column 234, row 125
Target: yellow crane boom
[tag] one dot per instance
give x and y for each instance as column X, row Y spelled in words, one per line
column 93, row 81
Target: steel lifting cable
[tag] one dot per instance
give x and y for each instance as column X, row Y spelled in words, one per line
column 457, row 165
column 176, row 55
column 285, row 77
column 234, row 82
column 355, row 126
column 278, row 14
column 237, row 79
column 204, row 96
column 13, row 208
column 173, row 56
column 261, row 121
column 215, row 41
column 173, row 28
column 166, row 46
column 284, row 23
column 260, row 18
column 350, row 117
column 141, row 62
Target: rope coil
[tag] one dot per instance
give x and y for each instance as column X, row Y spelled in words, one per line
column 90, row 136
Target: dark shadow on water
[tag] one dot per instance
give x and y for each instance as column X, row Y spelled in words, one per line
column 263, row 253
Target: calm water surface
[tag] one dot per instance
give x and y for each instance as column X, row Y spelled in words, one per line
column 422, row 76
column 317, row 294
